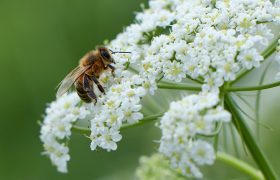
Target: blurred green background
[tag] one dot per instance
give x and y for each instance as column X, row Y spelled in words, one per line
column 40, row 42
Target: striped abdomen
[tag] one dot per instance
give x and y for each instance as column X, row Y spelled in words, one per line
column 80, row 90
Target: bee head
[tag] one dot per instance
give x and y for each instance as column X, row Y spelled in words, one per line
column 106, row 55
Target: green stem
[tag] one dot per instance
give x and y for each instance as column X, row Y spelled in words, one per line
column 179, row 87
column 79, row 129
column 254, row 88
column 132, row 70
column 215, row 132
column 240, row 165
column 266, row 53
column 249, row 140
column 194, row 80
column 147, row 119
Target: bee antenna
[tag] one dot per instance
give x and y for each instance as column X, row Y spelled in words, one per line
column 114, row 52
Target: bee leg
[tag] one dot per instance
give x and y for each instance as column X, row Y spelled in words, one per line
column 98, row 84
column 112, row 69
column 87, row 86
column 92, row 96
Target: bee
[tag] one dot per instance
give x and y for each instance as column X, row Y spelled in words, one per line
column 83, row 77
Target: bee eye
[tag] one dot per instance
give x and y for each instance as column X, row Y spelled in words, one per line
column 105, row 54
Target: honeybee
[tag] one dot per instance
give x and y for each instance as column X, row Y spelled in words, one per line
column 91, row 66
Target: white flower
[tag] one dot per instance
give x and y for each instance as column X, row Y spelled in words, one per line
column 214, row 81
column 131, row 112
column 263, row 33
column 249, row 58
column 202, row 152
column 244, row 22
column 217, row 114
column 275, row 12
column 173, row 71
column 108, row 139
column 228, row 70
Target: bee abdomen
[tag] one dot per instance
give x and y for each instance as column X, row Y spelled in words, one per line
column 82, row 93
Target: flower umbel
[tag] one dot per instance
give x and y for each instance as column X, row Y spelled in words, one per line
column 199, row 39
column 180, row 125
column 173, row 42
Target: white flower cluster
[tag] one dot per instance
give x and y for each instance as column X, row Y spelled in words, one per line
column 56, row 128
column 207, row 40
column 121, row 104
column 193, row 115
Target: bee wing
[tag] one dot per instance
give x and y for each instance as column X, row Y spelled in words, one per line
column 69, row 80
